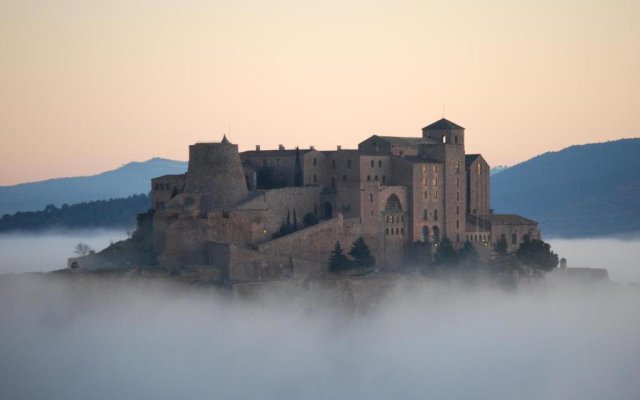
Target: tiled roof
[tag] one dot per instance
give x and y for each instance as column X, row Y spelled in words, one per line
column 506, row 219
column 443, row 124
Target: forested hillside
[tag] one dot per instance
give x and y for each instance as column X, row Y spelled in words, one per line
column 587, row 190
column 113, row 213
column 130, row 179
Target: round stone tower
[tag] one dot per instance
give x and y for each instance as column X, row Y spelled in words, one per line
column 215, row 172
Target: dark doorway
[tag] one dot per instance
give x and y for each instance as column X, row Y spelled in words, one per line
column 327, row 210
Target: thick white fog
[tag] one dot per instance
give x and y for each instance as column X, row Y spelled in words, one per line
column 620, row 256
column 48, row 251
column 117, row 340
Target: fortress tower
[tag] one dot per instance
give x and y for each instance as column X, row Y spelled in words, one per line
column 215, row 172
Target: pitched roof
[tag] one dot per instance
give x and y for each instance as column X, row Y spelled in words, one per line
column 401, row 141
column 470, row 158
column 443, row 124
column 506, row 219
column 273, row 153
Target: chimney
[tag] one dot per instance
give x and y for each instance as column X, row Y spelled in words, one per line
column 280, row 147
column 339, row 147
column 312, row 148
column 257, row 147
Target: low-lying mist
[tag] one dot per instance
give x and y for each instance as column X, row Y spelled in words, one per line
column 101, row 339
column 48, row 251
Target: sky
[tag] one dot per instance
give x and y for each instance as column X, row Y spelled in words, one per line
column 87, row 86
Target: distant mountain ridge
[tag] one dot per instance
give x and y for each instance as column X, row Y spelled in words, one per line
column 132, row 178
column 581, row 191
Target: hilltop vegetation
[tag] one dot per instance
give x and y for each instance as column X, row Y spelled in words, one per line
column 113, row 213
column 581, row 191
column 130, row 179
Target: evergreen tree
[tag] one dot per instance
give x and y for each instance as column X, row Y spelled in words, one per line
column 446, row 254
column 295, row 221
column 537, row 254
column 338, row 261
column 361, row 254
column 501, row 246
column 298, row 177
column 310, row 219
column 469, row 255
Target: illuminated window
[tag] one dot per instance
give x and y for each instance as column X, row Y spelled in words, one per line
column 435, row 181
column 435, row 195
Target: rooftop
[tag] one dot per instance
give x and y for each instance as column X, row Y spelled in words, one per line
column 443, row 124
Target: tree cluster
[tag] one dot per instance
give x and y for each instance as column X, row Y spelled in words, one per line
column 102, row 213
column 290, row 223
column 360, row 253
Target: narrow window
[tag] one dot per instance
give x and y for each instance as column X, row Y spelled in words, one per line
column 425, row 214
column 376, row 177
column 514, row 239
column 435, row 168
column 372, row 163
column 457, row 210
column 426, row 194
column 370, row 198
column 458, row 196
column 315, row 161
column 371, row 213
column 457, row 181
column 348, row 163
column 368, row 177
column 379, row 163
column 458, row 225
column 402, row 231
column 457, row 168
column 333, row 164
column 435, row 195
column 435, row 181
column 435, row 215
column 478, row 168
column 384, row 178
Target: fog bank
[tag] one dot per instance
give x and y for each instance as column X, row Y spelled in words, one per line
column 117, row 340
column 621, row 257
column 48, row 251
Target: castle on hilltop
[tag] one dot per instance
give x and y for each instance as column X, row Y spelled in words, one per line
column 265, row 214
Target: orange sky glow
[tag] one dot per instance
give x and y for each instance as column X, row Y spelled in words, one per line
column 87, row 85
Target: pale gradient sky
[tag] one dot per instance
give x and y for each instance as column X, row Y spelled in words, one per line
column 88, row 85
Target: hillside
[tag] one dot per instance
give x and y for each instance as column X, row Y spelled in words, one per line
column 132, row 178
column 112, row 213
column 580, row 191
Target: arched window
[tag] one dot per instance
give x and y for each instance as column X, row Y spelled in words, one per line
column 424, row 234
column 436, row 234
column 370, row 198
column 393, row 204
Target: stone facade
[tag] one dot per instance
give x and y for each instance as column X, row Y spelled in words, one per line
column 231, row 209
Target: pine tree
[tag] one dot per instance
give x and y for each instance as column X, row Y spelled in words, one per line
column 361, row 254
column 295, row 221
column 298, row 177
column 469, row 255
column 446, row 254
column 338, row 261
column 537, row 254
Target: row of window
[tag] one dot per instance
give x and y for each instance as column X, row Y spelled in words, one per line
column 395, row 231
column 159, row 205
column 333, row 163
column 435, row 194
column 375, row 178
column 425, row 215
column 397, row 218
column 162, row 186
column 477, row 238
column 373, row 163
